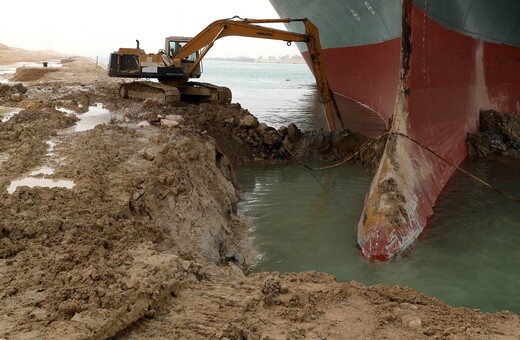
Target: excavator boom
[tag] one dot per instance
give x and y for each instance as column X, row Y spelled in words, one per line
column 182, row 63
column 245, row 28
column 248, row 28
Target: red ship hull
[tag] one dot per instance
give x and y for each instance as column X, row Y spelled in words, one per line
column 446, row 79
column 451, row 60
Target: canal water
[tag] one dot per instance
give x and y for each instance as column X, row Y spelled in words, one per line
column 278, row 94
column 469, row 255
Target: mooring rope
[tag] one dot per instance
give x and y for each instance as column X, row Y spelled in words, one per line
column 348, row 159
column 302, row 164
column 476, row 178
column 370, row 143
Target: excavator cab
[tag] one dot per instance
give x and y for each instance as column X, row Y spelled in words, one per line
column 175, row 43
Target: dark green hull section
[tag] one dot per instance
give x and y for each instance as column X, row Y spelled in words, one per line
column 496, row 21
column 345, row 23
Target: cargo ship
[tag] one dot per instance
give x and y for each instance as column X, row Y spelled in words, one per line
column 424, row 69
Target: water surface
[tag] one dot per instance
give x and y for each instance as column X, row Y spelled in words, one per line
column 469, row 255
column 95, row 115
column 278, row 94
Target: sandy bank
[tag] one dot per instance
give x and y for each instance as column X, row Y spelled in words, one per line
column 13, row 54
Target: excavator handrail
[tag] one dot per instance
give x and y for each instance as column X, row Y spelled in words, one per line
column 264, row 21
column 246, row 28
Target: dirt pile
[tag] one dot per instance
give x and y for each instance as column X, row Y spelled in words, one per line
column 32, row 73
column 244, row 139
column 147, row 244
column 7, row 91
column 312, row 305
column 14, row 91
column 499, row 135
column 23, row 139
column 148, row 211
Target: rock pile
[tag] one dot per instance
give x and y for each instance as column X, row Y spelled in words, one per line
column 13, row 91
column 499, row 135
column 244, row 139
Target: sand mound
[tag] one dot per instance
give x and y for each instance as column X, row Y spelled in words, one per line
column 312, row 305
column 81, row 64
column 31, row 73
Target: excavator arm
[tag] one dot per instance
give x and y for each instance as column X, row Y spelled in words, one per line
column 247, row 28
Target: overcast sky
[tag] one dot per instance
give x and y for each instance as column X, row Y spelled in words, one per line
column 98, row 27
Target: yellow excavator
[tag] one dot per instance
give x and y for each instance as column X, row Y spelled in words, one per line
column 181, row 60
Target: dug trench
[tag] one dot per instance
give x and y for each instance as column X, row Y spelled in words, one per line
column 148, row 243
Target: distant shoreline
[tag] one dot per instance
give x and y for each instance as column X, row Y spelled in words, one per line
column 292, row 60
column 12, row 54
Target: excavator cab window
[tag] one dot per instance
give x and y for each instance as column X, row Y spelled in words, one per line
column 175, row 45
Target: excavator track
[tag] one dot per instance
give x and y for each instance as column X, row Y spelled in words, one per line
column 142, row 90
column 190, row 92
column 220, row 94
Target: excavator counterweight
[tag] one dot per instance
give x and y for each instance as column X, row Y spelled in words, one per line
column 182, row 56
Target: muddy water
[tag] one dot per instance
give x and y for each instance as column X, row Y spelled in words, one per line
column 95, row 115
column 469, row 255
column 40, row 182
column 38, row 177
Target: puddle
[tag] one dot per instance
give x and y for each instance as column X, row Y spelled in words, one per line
column 6, row 72
column 50, row 149
column 7, row 112
column 37, row 178
column 42, row 171
column 94, row 116
column 62, row 109
column 40, row 182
